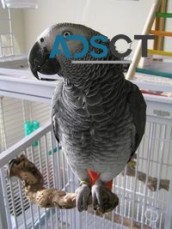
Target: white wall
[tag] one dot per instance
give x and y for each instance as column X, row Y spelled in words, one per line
column 110, row 17
column 18, row 28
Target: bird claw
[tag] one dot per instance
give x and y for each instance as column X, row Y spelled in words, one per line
column 82, row 199
column 103, row 199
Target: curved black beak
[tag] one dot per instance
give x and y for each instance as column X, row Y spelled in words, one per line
column 39, row 61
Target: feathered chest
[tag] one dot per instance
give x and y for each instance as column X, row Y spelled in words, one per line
column 94, row 114
column 90, row 125
column 72, row 112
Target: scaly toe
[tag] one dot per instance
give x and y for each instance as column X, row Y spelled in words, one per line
column 103, row 199
column 82, row 199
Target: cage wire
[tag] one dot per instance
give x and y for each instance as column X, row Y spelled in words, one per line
column 15, row 114
column 6, row 33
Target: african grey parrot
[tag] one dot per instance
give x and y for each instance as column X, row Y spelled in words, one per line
column 97, row 115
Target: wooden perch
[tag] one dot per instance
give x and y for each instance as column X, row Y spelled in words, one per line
column 152, row 182
column 36, row 193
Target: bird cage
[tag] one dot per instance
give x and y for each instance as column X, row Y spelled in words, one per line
column 11, row 49
column 144, row 188
column 20, row 115
column 6, row 33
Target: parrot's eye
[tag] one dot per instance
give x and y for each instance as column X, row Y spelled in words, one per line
column 66, row 33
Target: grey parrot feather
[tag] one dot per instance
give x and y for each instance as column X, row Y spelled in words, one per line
column 97, row 115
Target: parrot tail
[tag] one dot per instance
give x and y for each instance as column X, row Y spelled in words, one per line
column 94, row 176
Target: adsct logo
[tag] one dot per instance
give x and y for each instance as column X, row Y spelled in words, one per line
column 60, row 46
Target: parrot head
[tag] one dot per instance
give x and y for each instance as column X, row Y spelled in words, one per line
column 40, row 61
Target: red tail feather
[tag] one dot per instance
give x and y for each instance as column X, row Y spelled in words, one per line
column 94, row 176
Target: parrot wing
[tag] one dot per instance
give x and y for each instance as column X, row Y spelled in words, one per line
column 55, row 108
column 138, row 110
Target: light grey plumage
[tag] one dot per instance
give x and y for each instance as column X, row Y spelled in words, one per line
column 97, row 115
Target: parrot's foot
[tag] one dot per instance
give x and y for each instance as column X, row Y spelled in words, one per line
column 83, row 196
column 103, row 199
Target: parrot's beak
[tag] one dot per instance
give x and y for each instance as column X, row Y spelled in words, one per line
column 39, row 61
